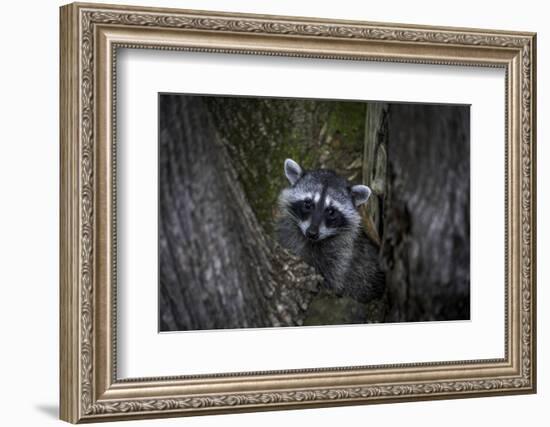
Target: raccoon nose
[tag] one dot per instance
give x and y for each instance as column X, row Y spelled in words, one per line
column 312, row 234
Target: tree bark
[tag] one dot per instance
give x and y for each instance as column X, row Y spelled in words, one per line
column 426, row 243
column 218, row 269
column 374, row 167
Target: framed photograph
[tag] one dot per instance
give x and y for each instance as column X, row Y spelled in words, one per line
column 266, row 212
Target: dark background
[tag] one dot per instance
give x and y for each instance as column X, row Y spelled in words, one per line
column 221, row 170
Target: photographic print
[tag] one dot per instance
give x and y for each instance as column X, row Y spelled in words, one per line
column 306, row 212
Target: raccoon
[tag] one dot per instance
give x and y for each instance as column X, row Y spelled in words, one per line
column 318, row 221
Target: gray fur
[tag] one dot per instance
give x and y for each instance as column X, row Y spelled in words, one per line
column 360, row 194
column 344, row 255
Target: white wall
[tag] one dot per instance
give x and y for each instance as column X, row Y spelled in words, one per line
column 29, row 170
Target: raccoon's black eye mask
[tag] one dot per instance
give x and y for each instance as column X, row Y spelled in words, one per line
column 334, row 218
column 331, row 213
column 303, row 208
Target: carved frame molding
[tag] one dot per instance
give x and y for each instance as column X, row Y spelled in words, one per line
column 90, row 36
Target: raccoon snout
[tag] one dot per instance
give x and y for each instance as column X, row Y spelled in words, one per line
column 312, row 233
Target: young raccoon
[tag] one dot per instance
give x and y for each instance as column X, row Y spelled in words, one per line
column 319, row 222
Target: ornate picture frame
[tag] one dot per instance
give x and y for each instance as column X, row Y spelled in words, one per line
column 90, row 37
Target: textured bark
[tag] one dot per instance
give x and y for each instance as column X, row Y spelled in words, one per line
column 374, row 167
column 374, row 159
column 426, row 242
column 218, row 269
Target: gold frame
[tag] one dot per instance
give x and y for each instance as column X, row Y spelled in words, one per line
column 90, row 36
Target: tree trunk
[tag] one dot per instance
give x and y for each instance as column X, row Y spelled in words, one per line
column 374, row 167
column 218, row 269
column 426, row 244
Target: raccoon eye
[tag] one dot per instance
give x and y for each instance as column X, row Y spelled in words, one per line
column 307, row 205
column 332, row 213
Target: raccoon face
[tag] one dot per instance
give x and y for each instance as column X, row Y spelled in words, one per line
column 317, row 220
column 321, row 203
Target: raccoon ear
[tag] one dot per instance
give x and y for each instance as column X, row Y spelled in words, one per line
column 360, row 194
column 293, row 171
